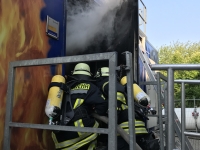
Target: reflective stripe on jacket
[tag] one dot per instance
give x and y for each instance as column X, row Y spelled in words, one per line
column 83, row 139
column 139, row 127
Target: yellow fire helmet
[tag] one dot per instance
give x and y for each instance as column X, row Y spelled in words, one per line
column 102, row 72
column 82, row 69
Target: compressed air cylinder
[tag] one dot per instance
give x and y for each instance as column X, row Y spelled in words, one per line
column 138, row 93
column 55, row 96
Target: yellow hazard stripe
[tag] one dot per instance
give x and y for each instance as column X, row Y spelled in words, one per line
column 72, row 141
column 92, row 145
column 103, row 96
column 78, row 102
column 138, row 123
column 139, row 127
column 137, row 131
column 54, row 138
column 83, row 142
column 104, row 85
column 124, row 106
column 118, row 108
column 124, row 125
column 121, row 97
column 79, row 123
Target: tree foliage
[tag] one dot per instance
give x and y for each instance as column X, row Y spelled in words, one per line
column 183, row 53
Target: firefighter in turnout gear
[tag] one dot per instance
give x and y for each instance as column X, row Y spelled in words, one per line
column 102, row 77
column 85, row 98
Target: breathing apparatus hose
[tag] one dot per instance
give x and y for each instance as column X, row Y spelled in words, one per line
column 123, row 134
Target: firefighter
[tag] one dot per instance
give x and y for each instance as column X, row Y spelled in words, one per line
column 102, row 76
column 85, row 98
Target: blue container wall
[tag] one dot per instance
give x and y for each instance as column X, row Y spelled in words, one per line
column 142, row 75
column 152, row 54
column 56, row 10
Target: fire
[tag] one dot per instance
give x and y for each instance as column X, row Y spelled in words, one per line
column 22, row 37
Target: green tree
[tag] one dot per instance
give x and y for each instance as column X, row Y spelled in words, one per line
column 183, row 53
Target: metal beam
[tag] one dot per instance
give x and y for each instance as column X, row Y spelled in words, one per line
column 192, row 134
column 131, row 110
column 170, row 112
column 160, row 112
column 112, row 126
column 110, row 56
column 176, row 66
column 58, row 127
column 188, row 81
column 183, row 116
column 63, row 60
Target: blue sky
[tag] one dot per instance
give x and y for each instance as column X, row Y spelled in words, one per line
column 169, row 21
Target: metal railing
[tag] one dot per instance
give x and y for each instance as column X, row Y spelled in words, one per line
column 183, row 119
column 111, row 57
column 191, row 102
column 160, row 97
column 143, row 15
column 170, row 102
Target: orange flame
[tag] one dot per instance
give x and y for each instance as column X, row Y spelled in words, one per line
column 22, row 37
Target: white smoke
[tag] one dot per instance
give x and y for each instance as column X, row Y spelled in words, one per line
column 90, row 23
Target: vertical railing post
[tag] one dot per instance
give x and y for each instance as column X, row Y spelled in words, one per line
column 160, row 112
column 170, row 113
column 112, row 126
column 9, row 105
column 166, row 112
column 131, row 110
column 182, row 116
column 112, row 132
column 194, row 101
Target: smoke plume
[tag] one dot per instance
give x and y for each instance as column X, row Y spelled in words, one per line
column 89, row 22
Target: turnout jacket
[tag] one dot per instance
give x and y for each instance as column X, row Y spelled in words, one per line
column 85, row 98
column 122, row 106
